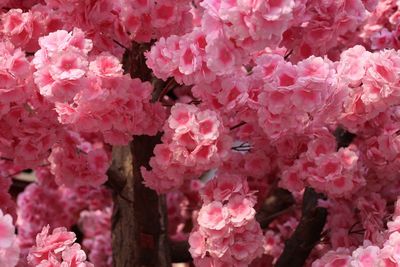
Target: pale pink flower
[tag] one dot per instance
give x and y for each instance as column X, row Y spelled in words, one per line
column 213, row 216
column 334, row 258
column 7, row 230
column 240, row 210
column 197, row 244
column 106, row 65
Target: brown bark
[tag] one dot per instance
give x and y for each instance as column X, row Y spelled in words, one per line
column 139, row 235
column 139, row 231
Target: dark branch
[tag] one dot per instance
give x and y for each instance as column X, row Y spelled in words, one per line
column 180, row 251
column 307, row 234
column 17, row 187
column 134, row 63
column 343, row 137
column 277, row 203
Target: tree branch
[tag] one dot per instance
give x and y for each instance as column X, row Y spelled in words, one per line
column 307, row 234
column 279, row 201
column 180, row 251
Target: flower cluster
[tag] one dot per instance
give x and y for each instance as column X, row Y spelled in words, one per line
column 40, row 204
column 15, row 79
column 371, row 81
column 327, row 28
column 96, row 228
column 27, row 133
column 369, row 254
column 93, row 95
column 252, row 25
column 182, row 208
column 57, row 249
column 44, row 202
column 194, row 142
column 28, row 128
column 295, row 97
column 336, row 173
column 9, row 249
column 227, row 232
column 22, row 28
column 186, row 58
column 147, row 19
column 382, row 26
column 381, row 153
column 227, row 33
column 77, row 162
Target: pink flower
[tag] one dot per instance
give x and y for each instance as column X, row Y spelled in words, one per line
column 9, row 248
column 223, row 187
column 68, row 65
column 182, row 117
column 75, row 256
column 55, row 41
column 208, row 125
column 338, row 258
column 352, row 64
column 19, row 27
column 7, row 230
column 83, row 167
column 221, row 56
column 190, row 59
column 164, row 154
column 47, row 245
column 292, row 179
column 106, row 65
column 9, row 257
column 162, row 57
column 234, row 93
column 241, row 210
column 213, row 216
column 365, row 257
column 197, row 244
column 57, row 249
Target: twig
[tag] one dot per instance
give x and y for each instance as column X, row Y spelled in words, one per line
column 121, row 45
column 237, row 125
column 288, row 54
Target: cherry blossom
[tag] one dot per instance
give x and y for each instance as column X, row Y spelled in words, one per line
column 57, row 248
column 9, row 249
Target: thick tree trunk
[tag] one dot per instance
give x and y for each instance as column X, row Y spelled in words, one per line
column 139, row 233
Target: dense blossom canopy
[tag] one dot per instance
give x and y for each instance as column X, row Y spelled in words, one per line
column 249, row 96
